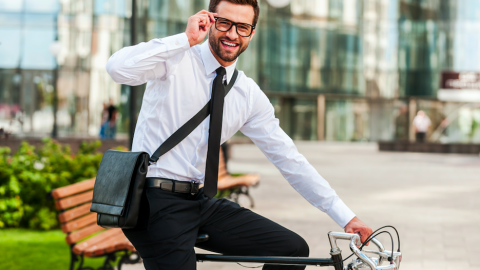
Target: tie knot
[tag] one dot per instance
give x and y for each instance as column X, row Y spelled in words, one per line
column 221, row 71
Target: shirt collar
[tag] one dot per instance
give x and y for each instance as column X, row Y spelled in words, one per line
column 211, row 64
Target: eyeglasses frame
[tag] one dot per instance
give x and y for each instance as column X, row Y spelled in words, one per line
column 233, row 24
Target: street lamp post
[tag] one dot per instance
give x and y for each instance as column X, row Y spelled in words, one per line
column 55, row 48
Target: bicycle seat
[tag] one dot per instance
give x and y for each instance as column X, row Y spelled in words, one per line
column 201, row 238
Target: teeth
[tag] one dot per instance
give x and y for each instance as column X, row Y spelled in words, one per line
column 229, row 44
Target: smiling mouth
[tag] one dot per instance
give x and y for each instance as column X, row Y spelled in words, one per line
column 229, row 44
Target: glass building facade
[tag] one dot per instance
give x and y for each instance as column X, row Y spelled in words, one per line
column 344, row 70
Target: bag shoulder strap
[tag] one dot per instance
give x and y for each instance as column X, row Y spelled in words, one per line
column 189, row 126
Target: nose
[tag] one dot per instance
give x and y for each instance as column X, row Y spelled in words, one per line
column 232, row 33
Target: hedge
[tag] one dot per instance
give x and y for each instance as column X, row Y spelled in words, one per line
column 27, row 177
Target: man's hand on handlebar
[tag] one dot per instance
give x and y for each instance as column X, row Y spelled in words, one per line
column 357, row 226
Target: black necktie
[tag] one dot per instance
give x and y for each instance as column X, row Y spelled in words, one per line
column 215, row 134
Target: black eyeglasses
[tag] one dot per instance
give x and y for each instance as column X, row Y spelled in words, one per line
column 224, row 25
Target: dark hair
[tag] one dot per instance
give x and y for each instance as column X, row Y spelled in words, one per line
column 212, row 7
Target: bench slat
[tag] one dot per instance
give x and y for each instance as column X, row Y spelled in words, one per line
column 82, row 246
column 73, row 189
column 74, row 213
column 244, row 180
column 82, row 233
column 100, row 248
column 121, row 246
column 79, row 223
column 74, row 200
column 125, row 245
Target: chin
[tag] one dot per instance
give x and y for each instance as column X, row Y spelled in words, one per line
column 228, row 57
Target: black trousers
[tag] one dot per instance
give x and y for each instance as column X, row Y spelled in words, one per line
column 420, row 136
column 170, row 222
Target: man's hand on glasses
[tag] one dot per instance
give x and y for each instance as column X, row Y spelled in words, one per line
column 198, row 25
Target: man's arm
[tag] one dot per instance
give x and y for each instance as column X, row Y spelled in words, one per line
column 138, row 64
column 264, row 130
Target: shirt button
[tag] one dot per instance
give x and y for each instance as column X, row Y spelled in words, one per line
column 198, row 149
column 205, row 128
column 176, row 43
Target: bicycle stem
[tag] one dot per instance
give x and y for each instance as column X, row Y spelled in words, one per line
column 335, row 251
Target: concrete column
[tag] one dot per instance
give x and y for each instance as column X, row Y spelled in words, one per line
column 286, row 121
column 321, row 117
column 412, row 111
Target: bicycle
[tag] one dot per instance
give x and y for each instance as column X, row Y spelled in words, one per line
column 361, row 262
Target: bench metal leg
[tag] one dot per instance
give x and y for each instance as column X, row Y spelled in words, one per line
column 73, row 258
column 80, row 266
column 107, row 264
column 247, row 193
column 235, row 194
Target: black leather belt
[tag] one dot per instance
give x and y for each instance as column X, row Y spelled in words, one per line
column 172, row 185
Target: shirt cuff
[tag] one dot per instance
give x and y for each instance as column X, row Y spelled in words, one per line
column 340, row 213
column 176, row 43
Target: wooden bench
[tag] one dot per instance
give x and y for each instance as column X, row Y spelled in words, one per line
column 79, row 224
column 87, row 239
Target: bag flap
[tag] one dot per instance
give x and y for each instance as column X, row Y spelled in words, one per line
column 113, row 181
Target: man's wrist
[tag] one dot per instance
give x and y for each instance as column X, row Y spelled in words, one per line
column 354, row 218
column 190, row 41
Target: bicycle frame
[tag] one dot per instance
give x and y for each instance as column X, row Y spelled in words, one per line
column 336, row 261
column 267, row 260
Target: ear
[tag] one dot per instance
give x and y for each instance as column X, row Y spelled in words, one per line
column 253, row 33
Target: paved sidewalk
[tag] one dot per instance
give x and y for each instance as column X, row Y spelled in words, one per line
column 432, row 199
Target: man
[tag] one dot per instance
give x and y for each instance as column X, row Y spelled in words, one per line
column 112, row 120
column 421, row 124
column 182, row 76
column 108, row 129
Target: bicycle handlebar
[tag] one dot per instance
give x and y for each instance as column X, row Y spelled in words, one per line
column 363, row 260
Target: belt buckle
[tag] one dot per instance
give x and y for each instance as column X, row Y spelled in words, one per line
column 192, row 185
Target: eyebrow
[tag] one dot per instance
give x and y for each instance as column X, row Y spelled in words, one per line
column 234, row 21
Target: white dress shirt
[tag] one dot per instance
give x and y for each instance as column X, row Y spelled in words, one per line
column 422, row 123
column 179, row 81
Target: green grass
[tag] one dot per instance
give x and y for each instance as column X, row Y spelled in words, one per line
column 22, row 249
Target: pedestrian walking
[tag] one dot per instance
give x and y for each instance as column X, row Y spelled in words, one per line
column 112, row 115
column 103, row 122
column 421, row 124
column 183, row 75
column 108, row 130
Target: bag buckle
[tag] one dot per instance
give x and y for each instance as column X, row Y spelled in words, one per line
column 151, row 161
